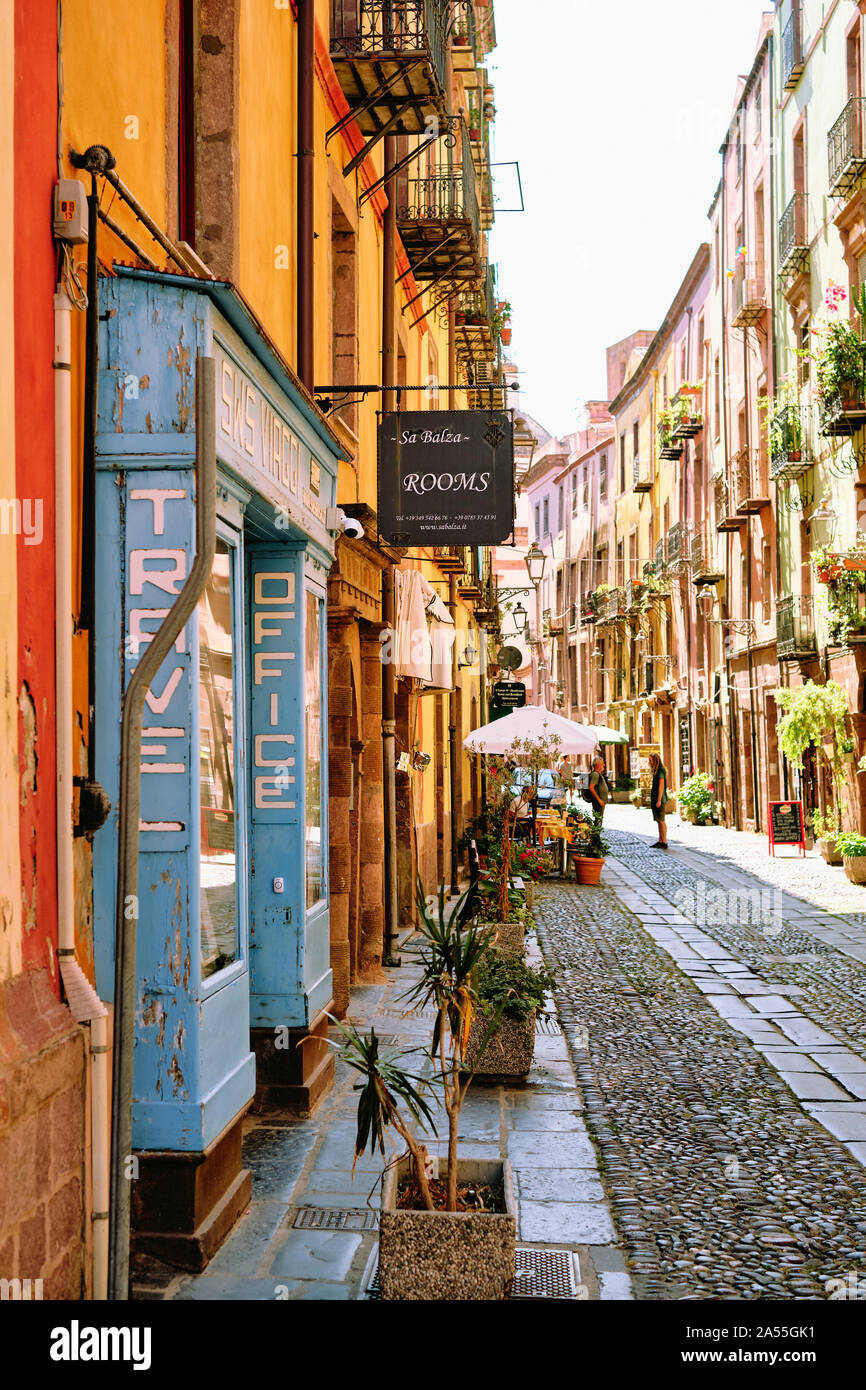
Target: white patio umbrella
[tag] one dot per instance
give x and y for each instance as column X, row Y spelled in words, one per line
column 605, row 735
column 533, row 721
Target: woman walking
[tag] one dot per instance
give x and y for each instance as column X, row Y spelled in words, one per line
column 658, row 798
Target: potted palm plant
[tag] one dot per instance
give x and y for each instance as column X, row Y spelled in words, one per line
column 447, row 1226
column 826, row 828
column 593, row 849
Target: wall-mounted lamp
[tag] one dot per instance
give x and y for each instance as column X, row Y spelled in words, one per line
column 535, row 563
column 742, row 627
column 470, row 655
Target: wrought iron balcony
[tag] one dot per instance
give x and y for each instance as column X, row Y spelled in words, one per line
column 660, row 556
column 794, row 236
column 390, row 61
column 790, row 453
column 670, row 447
column 688, row 416
column 795, row 628
column 704, row 567
column 464, row 40
column 726, row 517
column 842, row 416
column 588, row 608
column 792, row 49
column 749, row 294
column 642, row 483
column 845, row 151
column 438, row 216
column 476, row 309
column 751, row 483
column 679, row 546
column 674, row 539
column 634, row 592
column 451, row 559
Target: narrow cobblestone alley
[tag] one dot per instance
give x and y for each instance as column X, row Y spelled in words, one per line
column 721, row 1063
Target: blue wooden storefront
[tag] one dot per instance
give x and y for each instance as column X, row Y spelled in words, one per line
column 233, row 927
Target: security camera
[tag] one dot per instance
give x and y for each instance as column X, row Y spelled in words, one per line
column 336, row 520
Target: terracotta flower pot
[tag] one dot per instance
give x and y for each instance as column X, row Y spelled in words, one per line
column 588, row 870
column 505, row 335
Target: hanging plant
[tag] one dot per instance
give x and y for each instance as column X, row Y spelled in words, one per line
column 810, row 712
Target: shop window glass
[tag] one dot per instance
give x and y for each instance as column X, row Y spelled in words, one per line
column 218, row 869
column 313, row 848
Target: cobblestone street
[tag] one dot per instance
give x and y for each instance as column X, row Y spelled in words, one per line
column 721, row 1060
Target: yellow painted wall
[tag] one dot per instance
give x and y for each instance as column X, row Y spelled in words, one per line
column 10, row 865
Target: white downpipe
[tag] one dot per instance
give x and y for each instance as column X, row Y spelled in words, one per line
column 83, row 1001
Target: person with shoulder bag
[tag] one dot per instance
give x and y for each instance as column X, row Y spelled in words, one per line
column 598, row 794
column 658, row 800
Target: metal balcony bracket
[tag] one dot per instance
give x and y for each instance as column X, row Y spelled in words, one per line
column 359, row 158
column 430, row 254
column 451, row 273
column 393, row 171
column 372, row 100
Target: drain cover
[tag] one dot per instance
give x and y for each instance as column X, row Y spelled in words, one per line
column 544, row 1274
column 537, row 1274
column 335, row 1219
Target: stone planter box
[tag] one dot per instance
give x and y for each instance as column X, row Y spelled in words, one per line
column 855, row 868
column 429, row 1255
column 509, row 1050
column 829, row 852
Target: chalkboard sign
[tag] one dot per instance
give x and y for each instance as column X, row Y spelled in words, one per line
column 685, row 747
column 509, row 694
column 786, row 825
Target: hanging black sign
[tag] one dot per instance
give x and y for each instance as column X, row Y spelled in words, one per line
column 509, row 694
column 446, row 477
column 685, row 746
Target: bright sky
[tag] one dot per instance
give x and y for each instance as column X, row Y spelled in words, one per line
column 616, row 113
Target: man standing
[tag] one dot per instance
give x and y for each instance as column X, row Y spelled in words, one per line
column 599, row 791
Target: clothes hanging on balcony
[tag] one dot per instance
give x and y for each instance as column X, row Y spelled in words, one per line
column 424, row 631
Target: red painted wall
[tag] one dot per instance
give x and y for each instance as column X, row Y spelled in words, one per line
column 34, row 255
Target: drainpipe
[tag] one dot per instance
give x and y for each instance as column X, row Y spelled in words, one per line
column 750, row 554
column 452, row 735
column 83, row 1000
column 389, row 677
column 732, row 736
column 306, row 187
column 128, row 816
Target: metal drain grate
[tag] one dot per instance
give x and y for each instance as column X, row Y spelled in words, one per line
column 537, row 1274
column 335, row 1219
column 544, row 1274
column 548, row 1026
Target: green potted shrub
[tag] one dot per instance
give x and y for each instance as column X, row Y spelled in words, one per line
column 447, row 1225
column 826, row 826
column 696, row 799
column 810, row 713
column 852, row 848
column 510, row 994
column 593, row 849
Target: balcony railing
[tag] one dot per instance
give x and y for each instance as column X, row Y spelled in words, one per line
column 634, row 592
column 642, row 482
column 670, row 447
column 792, row 49
column 844, row 413
column 474, row 317
column 749, row 294
column 464, row 40
column 450, row 558
column 726, row 517
column 794, row 235
column 845, row 154
column 660, row 555
column 790, row 453
column 390, row 61
column 688, row 416
column 438, row 216
column 795, row 628
column 704, row 567
column 751, row 483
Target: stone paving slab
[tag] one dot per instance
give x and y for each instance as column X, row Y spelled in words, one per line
column 565, row 1223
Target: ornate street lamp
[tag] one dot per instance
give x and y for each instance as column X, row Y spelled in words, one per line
column 535, row 562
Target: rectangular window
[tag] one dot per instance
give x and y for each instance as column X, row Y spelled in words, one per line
column 766, row 578
column 585, row 486
column 560, row 510
column 602, row 476
column 574, row 494
column 717, row 401
column 620, row 564
column 759, row 113
column 546, row 514
column 538, row 523
column 622, row 462
column 313, row 750
column 218, row 861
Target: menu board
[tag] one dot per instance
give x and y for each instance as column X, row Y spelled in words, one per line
column 786, row 825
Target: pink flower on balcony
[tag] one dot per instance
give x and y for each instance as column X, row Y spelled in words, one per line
column 833, row 296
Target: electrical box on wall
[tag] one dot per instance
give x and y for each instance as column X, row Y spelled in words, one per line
column 70, row 211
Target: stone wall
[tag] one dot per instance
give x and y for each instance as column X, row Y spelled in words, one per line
column 42, row 1127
